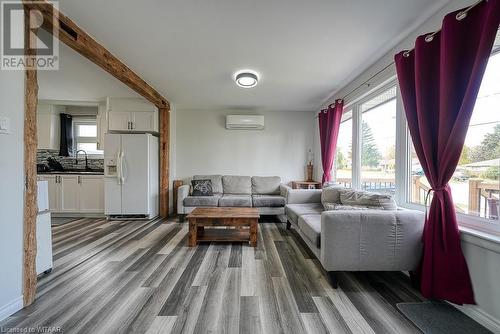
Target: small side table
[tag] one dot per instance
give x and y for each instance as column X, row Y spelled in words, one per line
column 306, row 185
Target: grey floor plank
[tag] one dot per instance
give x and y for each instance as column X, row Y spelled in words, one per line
column 250, row 315
column 141, row 277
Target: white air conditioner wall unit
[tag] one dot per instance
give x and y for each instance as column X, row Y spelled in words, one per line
column 245, row 122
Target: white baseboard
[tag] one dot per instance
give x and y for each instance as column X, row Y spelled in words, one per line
column 481, row 317
column 11, row 308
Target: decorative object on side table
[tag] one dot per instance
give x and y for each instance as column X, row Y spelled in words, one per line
column 240, row 225
column 310, row 166
column 306, row 185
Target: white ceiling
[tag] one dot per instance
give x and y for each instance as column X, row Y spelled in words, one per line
column 189, row 49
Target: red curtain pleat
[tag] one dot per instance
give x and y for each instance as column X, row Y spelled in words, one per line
column 329, row 124
column 439, row 82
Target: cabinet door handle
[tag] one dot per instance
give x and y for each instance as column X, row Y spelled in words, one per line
column 79, row 182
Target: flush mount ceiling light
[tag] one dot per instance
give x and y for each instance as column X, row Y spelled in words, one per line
column 246, row 79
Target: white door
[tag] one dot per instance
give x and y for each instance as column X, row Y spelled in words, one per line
column 135, row 188
column 70, row 193
column 91, row 194
column 112, row 187
column 119, row 121
column 53, row 192
column 144, row 121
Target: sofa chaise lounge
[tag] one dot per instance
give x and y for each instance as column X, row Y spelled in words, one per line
column 359, row 231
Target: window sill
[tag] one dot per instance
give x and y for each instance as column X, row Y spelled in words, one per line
column 472, row 229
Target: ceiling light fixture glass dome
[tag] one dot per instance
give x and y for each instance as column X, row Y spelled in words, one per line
column 246, row 79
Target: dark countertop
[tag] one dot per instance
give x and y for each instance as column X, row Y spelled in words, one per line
column 74, row 172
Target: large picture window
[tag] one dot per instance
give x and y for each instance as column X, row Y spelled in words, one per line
column 475, row 184
column 342, row 170
column 378, row 142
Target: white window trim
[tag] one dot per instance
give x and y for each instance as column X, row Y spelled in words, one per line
column 76, row 139
column 403, row 163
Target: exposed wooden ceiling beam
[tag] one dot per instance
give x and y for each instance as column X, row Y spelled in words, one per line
column 72, row 35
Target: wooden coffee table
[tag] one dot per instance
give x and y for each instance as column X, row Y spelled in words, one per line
column 240, row 223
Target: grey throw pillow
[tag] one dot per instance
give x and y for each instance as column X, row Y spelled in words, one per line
column 202, row 188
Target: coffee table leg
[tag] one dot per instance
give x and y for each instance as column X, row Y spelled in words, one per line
column 192, row 232
column 253, row 232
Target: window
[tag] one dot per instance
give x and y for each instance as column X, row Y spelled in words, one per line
column 85, row 135
column 475, row 184
column 342, row 171
column 378, row 142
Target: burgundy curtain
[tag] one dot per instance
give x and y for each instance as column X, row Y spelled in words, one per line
column 439, row 82
column 329, row 124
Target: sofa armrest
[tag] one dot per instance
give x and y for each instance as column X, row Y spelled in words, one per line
column 182, row 192
column 284, row 189
column 371, row 240
column 303, row 196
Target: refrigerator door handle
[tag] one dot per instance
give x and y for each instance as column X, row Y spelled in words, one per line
column 119, row 166
column 122, row 176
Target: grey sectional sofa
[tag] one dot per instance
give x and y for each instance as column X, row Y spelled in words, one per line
column 360, row 232
column 263, row 192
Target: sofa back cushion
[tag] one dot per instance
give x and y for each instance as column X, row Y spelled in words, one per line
column 367, row 199
column 216, row 182
column 266, row 185
column 233, row 184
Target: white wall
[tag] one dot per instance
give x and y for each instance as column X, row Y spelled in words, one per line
column 204, row 146
column 483, row 258
column 11, row 192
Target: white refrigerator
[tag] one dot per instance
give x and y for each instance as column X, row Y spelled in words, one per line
column 131, row 176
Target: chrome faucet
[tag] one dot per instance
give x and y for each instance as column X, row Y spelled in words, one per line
column 86, row 158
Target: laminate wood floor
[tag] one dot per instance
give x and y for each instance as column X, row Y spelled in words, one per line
column 140, row 277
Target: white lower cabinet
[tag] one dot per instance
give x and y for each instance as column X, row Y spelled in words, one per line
column 69, row 193
column 92, row 194
column 75, row 193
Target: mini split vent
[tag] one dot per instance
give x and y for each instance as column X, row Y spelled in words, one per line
column 244, row 122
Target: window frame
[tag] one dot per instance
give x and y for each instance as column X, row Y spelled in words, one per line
column 76, row 139
column 468, row 223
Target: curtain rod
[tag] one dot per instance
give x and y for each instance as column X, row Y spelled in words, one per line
column 460, row 16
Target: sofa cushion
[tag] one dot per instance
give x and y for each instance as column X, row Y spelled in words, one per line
column 238, row 185
column 266, row 185
column 368, row 199
column 310, row 226
column 264, row 201
column 202, row 188
column 196, row 201
column 216, row 182
column 331, row 194
column 235, row 200
column 294, row 211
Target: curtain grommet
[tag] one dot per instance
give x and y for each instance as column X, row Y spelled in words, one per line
column 461, row 15
column 429, row 38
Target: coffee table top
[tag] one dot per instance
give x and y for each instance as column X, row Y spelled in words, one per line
column 224, row 213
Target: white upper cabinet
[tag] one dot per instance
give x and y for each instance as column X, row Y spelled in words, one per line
column 48, row 126
column 131, row 115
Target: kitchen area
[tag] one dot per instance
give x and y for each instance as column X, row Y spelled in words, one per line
column 94, row 160
column 72, row 150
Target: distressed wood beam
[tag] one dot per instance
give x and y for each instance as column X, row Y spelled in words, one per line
column 164, row 160
column 76, row 38
column 30, row 147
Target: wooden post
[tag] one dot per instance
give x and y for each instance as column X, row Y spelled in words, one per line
column 30, row 146
column 164, row 160
column 415, row 190
column 474, row 196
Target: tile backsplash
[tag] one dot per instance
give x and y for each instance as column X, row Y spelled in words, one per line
column 69, row 162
